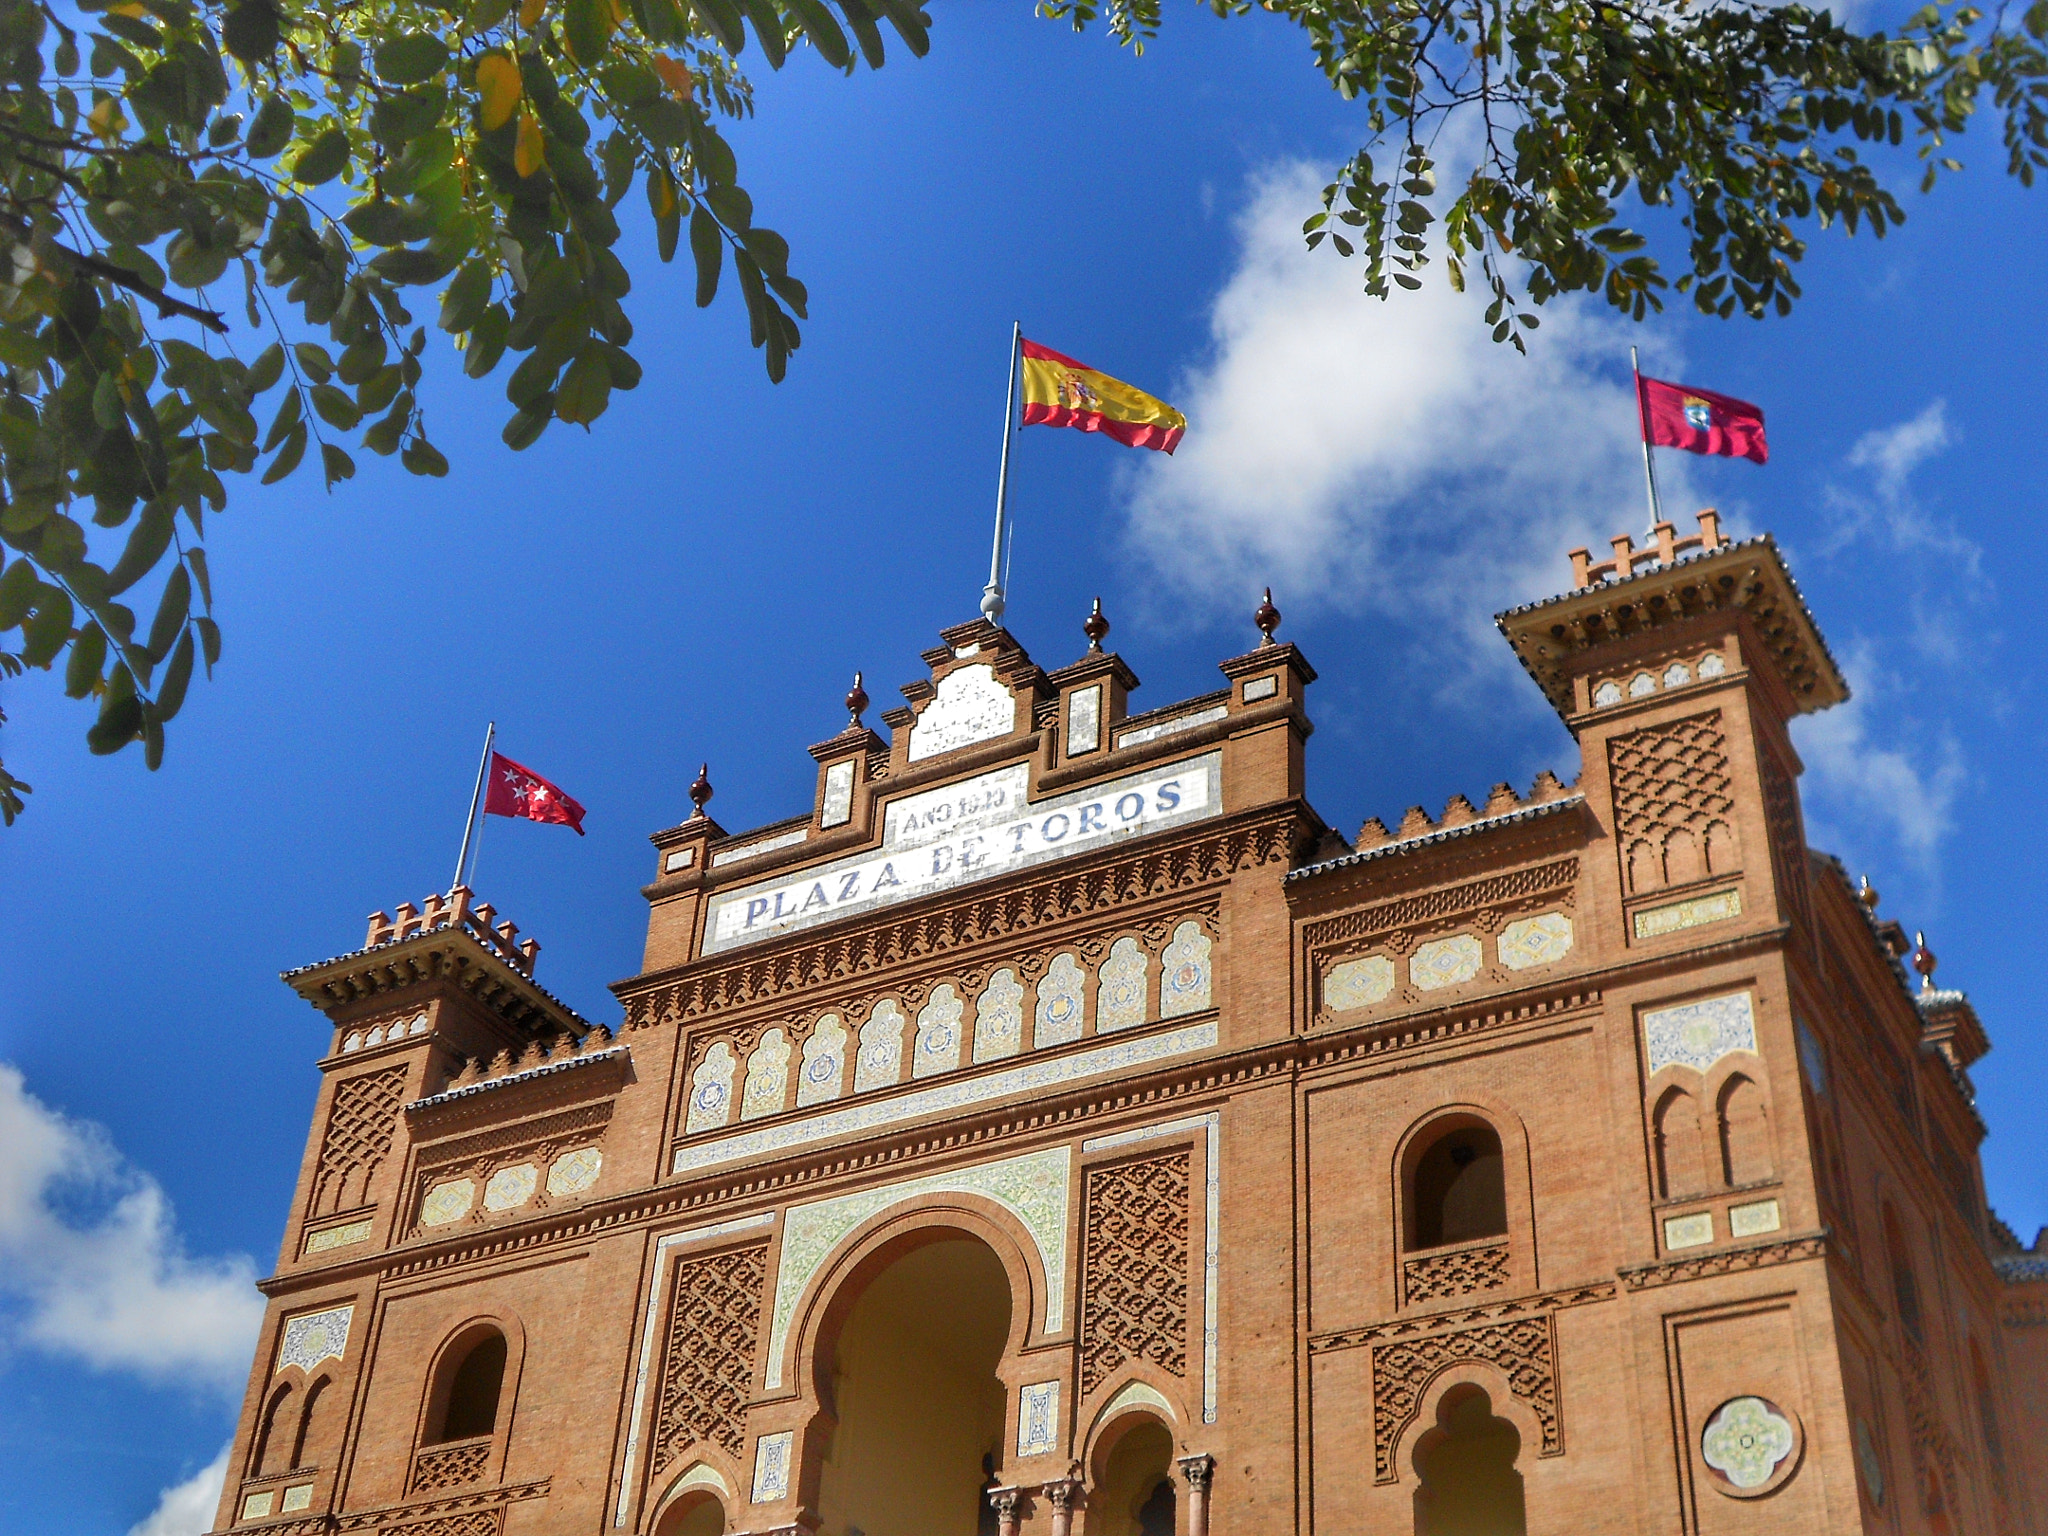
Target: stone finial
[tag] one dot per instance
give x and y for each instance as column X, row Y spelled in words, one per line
column 856, row 702
column 700, row 789
column 1095, row 627
column 1867, row 894
column 1267, row 618
column 1923, row 961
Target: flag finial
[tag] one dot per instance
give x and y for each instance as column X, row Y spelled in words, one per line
column 700, row 789
column 856, row 701
column 1095, row 627
column 1267, row 618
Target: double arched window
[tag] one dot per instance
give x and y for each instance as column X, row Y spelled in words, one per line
column 1700, row 1149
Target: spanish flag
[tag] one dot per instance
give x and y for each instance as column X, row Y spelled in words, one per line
column 1059, row 392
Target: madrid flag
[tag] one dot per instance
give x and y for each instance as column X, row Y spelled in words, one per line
column 517, row 791
column 1059, row 392
column 1700, row 421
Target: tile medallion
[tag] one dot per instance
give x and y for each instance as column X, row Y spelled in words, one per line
column 938, row 1032
column 1445, row 962
column 1543, row 939
column 999, row 1017
column 824, row 1063
column 343, row 1236
column 447, row 1201
column 1059, row 1003
column 296, row 1499
column 1120, row 987
column 1084, row 721
column 1754, row 1219
column 767, row 1085
column 512, row 1187
column 1693, row 912
column 312, row 1337
column 1691, row 1231
column 711, row 1090
column 1030, row 1075
column 969, row 705
column 256, row 1506
column 1032, row 1188
column 1358, row 983
column 838, row 807
column 1698, row 1034
column 574, row 1172
column 879, row 1061
column 1038, row 1419
column 771, row 1467
column 1184, row 972
column 1746, row 1439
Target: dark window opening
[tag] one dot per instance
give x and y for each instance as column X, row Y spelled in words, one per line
column 473, row 1393
column 1460, row 1190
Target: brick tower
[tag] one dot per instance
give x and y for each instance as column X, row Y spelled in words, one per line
column 1058, row 1129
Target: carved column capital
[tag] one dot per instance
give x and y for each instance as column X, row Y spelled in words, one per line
column 1005, row 1501
column 1197, row 1470
column 1064, row 1495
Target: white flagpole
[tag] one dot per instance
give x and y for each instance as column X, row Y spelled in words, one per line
column 992, row 594
column 475, row 799
column 1643, row 426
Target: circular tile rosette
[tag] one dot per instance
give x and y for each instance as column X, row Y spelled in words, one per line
column 1751, row 1446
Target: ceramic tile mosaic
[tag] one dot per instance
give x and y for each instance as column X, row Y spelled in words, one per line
column 1543, row 939
column 657, row 1287
column 999, row 1017
column 755, row 850
column 1607, row 693
column 1445, row 962
column 1173, row 727
column 1677, row 675
column 938, row 1032
column 1084, row 721
column 257, row 1505
column 337, row 1237
column 1698, row 1034
column 838, row 807
column 969, row 705
column 447, row 1201
column 711, row 1089
column 824, row 1063
column 1120, row 987
column 512, row 1187
column 1212, row 1234
column 1641, row 685
column 1261, row 687
column 1358, row 983
column 1038, row 1418
column 574, row 1172
column 1693, row 912
column 296, row 1499
column 1745, row 1440
column 1032, row 1188
column 1689, row 1231
column 767, row 1084
column 1059, row 1003
column 1184, row 972
column 771, row 1467
column 879, row 1062
column 1754, row 1219
column 312, row 1337
column 1712, row 664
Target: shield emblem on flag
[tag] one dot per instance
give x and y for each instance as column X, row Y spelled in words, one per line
column 1698, row 414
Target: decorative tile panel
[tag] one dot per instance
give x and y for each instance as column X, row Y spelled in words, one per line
column 1677, row 675
column 1754, row 1219
column 312, row 1337
column 938, row 1032
column 880, row 1060
column 510, row 1188
column 343, row 1236
column 1084, row 721
column 256, row 1506
column 1173, row 727
column 838, row 807
column 1607, row 694
column 824, row 1064
column 1694, row 912
column 1691, row 1231
column 999, row 1017
column 1120, row 987
column 1358, row 983
column 1184, row 972
column 1261, row 687
column 296, row 1499
column 448, row 1201
column 1543, row 939
column 1642, row 685
column 1445, row 962
column 771, row 1466
column 1038, row 1415
column 1059, row 1003
column 1745, row 1441
column 1711, row 664
column 1032, row 1188
column 574, row 1172
column 969, row 705
column 1698, row 1034
column 767, row 1085
column 711, row 1090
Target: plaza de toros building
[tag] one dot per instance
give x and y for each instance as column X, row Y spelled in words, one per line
column 1058, row 1128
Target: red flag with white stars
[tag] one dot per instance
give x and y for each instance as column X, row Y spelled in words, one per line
column 517, row 791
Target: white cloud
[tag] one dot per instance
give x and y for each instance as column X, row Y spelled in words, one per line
column 1887, row 511
column 1388, row 456
column 187, row 1508
column 91, row 1265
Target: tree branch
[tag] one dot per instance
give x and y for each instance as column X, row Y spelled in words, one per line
column 165, row 304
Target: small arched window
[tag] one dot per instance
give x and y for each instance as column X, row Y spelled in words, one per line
column 1459, row 1191
column 274, row 1443
column 1987, row 1410
column 1905, row 1285
column 313, row 1424
column 471, row 1406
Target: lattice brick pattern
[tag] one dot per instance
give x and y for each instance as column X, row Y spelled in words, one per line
column 450, row 1466
column 359, row 1129
column 708, row 1365
column 1402, row 1372
column 1788, row 845
column 1134, row 1275
column 1494, row 891
column 1443, row 1275
column 468, row 1522
column 1670, row 779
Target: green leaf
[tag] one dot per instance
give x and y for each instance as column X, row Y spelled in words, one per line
column 586, row 388
column 413, row 267
column 379, row 389
column 587, row 29
column 337, row 465
column 287, row 417
column 487, row 342
column 271, row 128
column 18, row 588
column 266, row 370
column 250, row 31
column 170, row 693
column 525, row 428
column 209, row 642
column 707, row 246
column 43, row 636
column 823, row 31
column 120, row 720
column 423, row 458
column 288, row 456
column 768, row 27
column 321, row 161
column 734, row 208
column 171, row 610
column 147, row 542
column 314, row 361
column 411, row 58
column 88, row 657
column 467, row 298
column 722, row 19
column 196, row 558
column 335, row 407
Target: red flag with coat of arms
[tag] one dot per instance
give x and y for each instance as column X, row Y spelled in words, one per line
column 519, row 791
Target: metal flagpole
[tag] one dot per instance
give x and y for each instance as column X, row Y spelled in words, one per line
column 992, row 594
column 475, row 799
column 1643, row 425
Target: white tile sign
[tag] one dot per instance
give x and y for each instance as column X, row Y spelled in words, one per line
column 971, row 830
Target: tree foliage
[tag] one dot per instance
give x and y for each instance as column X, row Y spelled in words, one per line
column 177, row 176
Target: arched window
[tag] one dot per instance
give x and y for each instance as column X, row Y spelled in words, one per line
column 471, row 1405
column 1987, row 1410
column 1905, row 1285
column 274, row 1442
column 1745, row 1132
column 1459, row 1190
column 1134, row 1495
column 1469, row 1485
column 313, row 1423
column 1681, row 1160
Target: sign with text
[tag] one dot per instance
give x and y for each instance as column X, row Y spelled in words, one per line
column 972, row 830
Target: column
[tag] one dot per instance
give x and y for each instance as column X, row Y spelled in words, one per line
column 1064, row 1496
column 1196, row 1469
column 1005, row 1502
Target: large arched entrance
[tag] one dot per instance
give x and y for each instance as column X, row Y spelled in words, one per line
column 1467, row 1463
column 913, row 1385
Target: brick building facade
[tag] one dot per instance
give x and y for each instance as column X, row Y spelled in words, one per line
column 1060, row 1129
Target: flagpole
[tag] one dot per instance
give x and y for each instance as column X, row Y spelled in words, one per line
column 992, row 594
column 1643, row 426
column 475, row 799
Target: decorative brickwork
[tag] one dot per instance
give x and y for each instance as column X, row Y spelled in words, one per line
column 359, row 1131
column 474, row 1522
column 1673, row 802
column 1494, row 891
column 1401, row 1374
column 1788, row 843
column 450, row 1466
column 1134, row 1268
column 1436, row 1277
column 708, row 1366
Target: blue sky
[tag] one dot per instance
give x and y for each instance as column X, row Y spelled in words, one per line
column 699, row 578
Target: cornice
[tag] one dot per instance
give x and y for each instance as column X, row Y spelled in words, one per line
column 1461, row 1317
column 1726, row 1261
column 452, row 956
